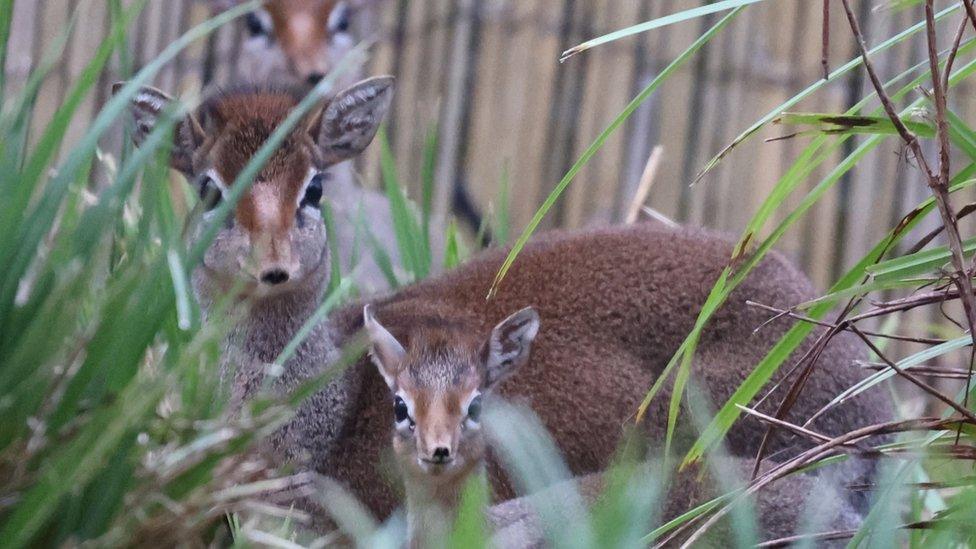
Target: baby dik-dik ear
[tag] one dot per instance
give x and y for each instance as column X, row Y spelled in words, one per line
column 386, row 351
column 148, row 107
column 507, row 349
column 347, row 125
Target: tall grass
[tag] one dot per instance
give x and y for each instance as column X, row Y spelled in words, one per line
column 111, row 431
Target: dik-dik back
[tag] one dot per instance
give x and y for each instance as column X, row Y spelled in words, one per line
column 614, row 306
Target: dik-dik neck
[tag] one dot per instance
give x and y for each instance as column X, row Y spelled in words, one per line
column 432, row 507
column 268, row 325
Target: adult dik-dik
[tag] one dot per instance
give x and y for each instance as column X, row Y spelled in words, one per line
column 297, row 42
column 614, row 305
column 294, row 44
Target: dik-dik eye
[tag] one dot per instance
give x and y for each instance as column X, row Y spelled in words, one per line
column 313, row 192
column 256, row 26
column 339, row 18
column 401, row 413
column 474, row 409
column 210, row 193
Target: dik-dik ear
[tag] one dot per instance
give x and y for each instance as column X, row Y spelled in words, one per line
column 348, row 124
column 147, row 108
column 386, row 351
column 508, row 347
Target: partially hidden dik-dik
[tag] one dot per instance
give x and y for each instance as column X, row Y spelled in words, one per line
column 441, row 448
column 613, row 306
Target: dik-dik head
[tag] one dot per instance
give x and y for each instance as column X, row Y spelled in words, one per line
column 438, row 383
column 275, row 241
column 296, row 41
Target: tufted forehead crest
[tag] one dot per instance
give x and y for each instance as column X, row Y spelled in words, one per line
column 242, row 121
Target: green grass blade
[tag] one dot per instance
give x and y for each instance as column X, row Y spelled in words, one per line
column 729, row 412
column 6, row 18
column 42, row 216
column 452, row 255
column 833, row 124
column 837, row 74
column 685, row 15
column 427, row 189
column 73, row 466
column 408, row 237
column 918, row 263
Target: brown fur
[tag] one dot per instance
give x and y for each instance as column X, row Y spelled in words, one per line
column 614, row 306
column 274, row 232
column 299, row 41
column 302, row 28
column 301, row 44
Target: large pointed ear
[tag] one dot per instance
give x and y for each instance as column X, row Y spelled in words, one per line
column 507, row 349
column 147, row 108
column 349, row 122
column 386, row 351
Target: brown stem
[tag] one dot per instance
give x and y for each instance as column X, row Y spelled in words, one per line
column 786, row 312
column 963, row 212
column 940, row 188
column 825, row 40
column 886, row 102
column 953, row 51
column 915, row 380
column 970, row 11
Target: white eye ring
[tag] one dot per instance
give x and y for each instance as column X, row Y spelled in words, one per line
column 212, row 176
column 259, row 24
column 339, row 18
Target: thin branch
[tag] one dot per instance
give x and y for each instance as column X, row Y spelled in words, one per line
column 838, row 535
column 940, row 189
column 930, row 371
column 963, row 212
column 802, row 431
column 970, row 11
column 825, row 40
column 889, row 106
column 810, row 457
column 953, row 51
column 841, row 326
column 915, row 380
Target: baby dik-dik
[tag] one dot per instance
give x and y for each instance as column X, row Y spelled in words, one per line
column 614, row 305
column 440, row 449
column 437, row 404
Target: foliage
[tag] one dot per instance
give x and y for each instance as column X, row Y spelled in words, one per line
column 111, row 432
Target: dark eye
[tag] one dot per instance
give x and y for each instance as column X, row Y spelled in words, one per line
column 339, row 20
column 474, row 409
column 400, row 410
column 254, row 25
column 210, row 195
column 313, row 193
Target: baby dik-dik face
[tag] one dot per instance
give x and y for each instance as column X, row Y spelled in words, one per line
column 437, row 387
column 276, row 240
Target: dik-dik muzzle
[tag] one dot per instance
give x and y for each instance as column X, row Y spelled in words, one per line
column 276, row 239
column 438, row 384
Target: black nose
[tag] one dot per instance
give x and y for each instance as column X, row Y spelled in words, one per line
column 315, row 78
column 441, row 454
column 274, row 276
